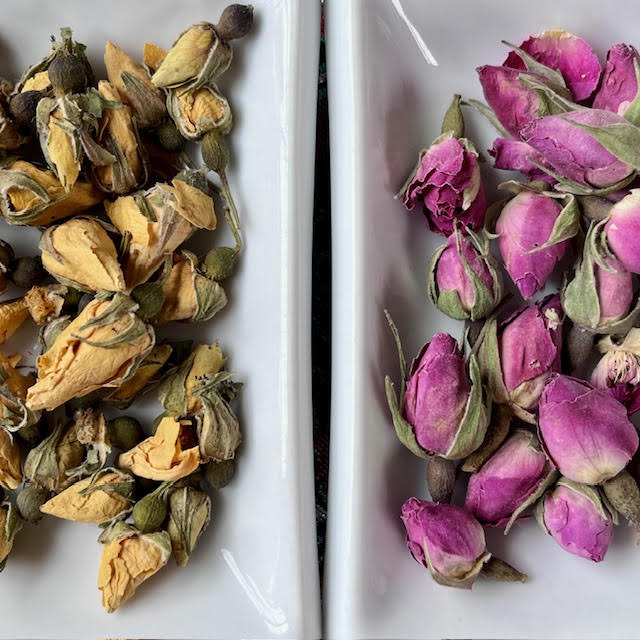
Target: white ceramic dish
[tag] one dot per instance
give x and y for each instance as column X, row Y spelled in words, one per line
column 254, row 574
column 386, row 102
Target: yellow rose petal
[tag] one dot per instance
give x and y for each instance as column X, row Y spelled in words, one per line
column 10, row 469
column 12, row 314
column 37, row 82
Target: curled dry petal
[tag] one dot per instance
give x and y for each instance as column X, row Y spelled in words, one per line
column 515, row 155
column 170, row 454
column 10, row 462
column 585, row 431
column 12, row 314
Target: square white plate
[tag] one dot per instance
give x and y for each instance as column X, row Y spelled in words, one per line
column 254, row 573
column 386, row 103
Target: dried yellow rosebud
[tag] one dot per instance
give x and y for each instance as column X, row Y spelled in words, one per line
column 219, row 432
column 143, row 379
column 98, row 499
column 153, row 55
column 133, row 84
column 81, row 254
column 170, row 454
column 38, row 82
column 12, row 314
column 178, row 393
column 118, row 134
column 45, row 303
column 31, row 196
column 189, row 515
column 197, row 57
column 102, row 347
column 159, row 220
column 187, row 294
column 198, row 111
column 47, row 464
column 127, row 561
column 10, row 470
column 62, row 149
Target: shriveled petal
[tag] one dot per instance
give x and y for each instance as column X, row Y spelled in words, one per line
column 618, row 86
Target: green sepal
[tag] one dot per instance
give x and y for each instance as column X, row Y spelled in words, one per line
column 453, row 119
column 487, row 112
column 566, row 225
column 632, row 113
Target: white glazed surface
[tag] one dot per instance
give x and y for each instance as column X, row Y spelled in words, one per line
column 254, row 572
column 386, row 103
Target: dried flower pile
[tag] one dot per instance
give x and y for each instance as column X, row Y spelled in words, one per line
column 513, row 412
column 100, row 166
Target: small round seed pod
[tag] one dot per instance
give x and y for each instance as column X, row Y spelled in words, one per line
column 219, row 474
column 220, row 263
column 23, row 106
column 149, row 297
column 125, row 432
column 235, row 22
column 68, row 70
column 29, row 501
column 150, row 512
column 169, row 137
column 28, row 272
column 215, row 152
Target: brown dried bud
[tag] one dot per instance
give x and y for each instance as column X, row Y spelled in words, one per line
column 23, row 106
column 623, row 494
column 28, row 272
column 215, row 153
column 169, row 138
column 235, row 22
column 67, row 71
column 29, row 501
column 441, row 478
column 220, row 473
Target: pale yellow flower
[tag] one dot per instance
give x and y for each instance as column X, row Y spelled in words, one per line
column 62, row 151
column 77, row 363
column 96, row 506
column 167, row 455
column 12, row 314
column 37, row 82
column 10, row 470
column 80, row 252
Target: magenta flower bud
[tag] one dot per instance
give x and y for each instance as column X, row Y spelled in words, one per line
column 585, row 431
column 577, row 519
column 576, row 154
column 513, row 103
column 525, row 224
column 600, row 294
column 441, row 398
column 564, row 52
column 618, row 86
column 463, row 277
column 447, row 540
column 446, row 186
column 512, row 479
column 623, row 230
column 515, row 155
column 618, row 371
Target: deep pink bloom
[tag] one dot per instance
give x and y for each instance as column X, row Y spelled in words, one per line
column 437, row 393
column 618, row 86
column 526, row 222
column 585, row 431
column 577, row 520
column 507, row 480
column 446, row 539
column 615, row 291
column 446, row 187
column 623, row 230
column 573, row 153
column 567, row 53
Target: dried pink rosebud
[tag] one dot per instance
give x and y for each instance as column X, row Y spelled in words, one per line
column 572, row 56
column 619, row 85
column 463, row 277
column 518, row 356
column 618, row 371
column 515, row 155
column 575, row 153
column 439, row 398
column 525, row 225
column 511, row 480
column 447, row 540
column 622, row 230
column 576, row 518
column 446, row 187
column 600, row 294
column 513, row 103
column 585, row 431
